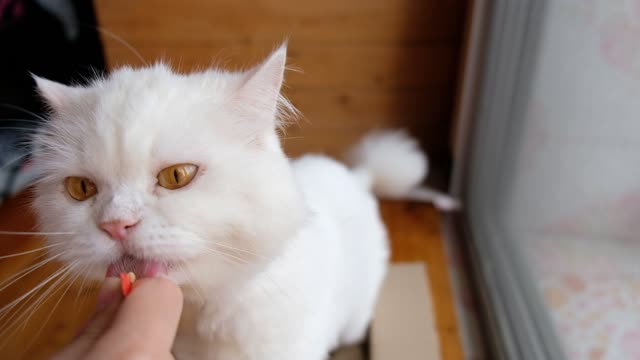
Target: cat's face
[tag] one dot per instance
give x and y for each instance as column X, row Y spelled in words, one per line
column 234, row 201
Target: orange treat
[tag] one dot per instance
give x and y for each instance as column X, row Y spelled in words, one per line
column 126, row 282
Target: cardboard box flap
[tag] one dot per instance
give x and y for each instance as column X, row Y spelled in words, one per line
column 404, row 323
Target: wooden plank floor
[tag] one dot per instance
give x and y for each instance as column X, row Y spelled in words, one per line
column 415, row 234
column 34, row 335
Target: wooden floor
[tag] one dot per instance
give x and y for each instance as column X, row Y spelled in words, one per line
column 34, row 335
column 416, row 235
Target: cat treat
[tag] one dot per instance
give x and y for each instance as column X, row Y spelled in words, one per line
column 126, row 282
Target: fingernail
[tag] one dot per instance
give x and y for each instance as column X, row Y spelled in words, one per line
column 109, row 292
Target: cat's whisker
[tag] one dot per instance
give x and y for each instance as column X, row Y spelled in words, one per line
column 81, row 289
column 36, row 265
column 122, row 42
column 244, row 261
column 27, row 271
column 13, row 161
column 17, row 312
column 22, row 150
column 29, row 121
column 233, row 248
column 55, row 306
column 27, row 129
column 34, row 306
column 239, row 258
column 47, row 131
column 275, row 285
column 185, row 270
column 30, row 251
column 6, row 309
column 228, row 257
column 27, row 141
column 35, row 288
column 36, row 233
column 242, row 251
column 15, row 107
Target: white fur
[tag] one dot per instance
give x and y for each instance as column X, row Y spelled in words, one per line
column 393, row 165
column 392, row 161
column 305, row 247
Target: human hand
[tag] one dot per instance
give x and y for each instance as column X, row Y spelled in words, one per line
column 142, row 326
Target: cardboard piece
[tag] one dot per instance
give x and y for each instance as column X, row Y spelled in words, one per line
column 404, row 323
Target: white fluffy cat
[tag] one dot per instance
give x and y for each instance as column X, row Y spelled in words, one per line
column 183, row 176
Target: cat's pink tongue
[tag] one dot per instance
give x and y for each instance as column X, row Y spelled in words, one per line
column 142, row 268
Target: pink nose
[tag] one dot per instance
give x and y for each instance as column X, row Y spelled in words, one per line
column 119, row 229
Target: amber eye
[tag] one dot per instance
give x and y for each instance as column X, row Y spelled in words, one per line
column 80, row 188
column 177, row 176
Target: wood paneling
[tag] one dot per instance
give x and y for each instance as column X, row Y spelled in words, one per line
column 231, row 23
column 334, row 67
column 395, row 60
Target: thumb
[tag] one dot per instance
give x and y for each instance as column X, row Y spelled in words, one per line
column 109, row 299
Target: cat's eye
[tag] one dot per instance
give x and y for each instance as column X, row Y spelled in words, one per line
column 80, row 188
column 177, row 176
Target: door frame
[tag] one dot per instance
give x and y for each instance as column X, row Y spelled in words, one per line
column 500, row 51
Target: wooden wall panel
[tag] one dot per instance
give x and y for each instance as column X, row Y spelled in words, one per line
column 365, row 64
column 231, row 22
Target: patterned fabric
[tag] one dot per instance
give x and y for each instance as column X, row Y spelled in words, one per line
column 592, row 288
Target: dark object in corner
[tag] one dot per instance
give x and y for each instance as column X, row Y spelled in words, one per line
column 56, row 39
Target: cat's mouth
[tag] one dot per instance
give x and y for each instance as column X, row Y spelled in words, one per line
column 143, row 268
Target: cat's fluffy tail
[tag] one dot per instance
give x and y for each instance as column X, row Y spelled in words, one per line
column 391, row 164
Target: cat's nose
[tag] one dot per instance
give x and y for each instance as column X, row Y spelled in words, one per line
column 119, row 229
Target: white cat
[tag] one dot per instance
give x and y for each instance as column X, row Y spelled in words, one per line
column 183, row 176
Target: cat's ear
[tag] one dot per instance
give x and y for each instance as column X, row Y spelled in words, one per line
column 55, row 94
column 259, row 91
